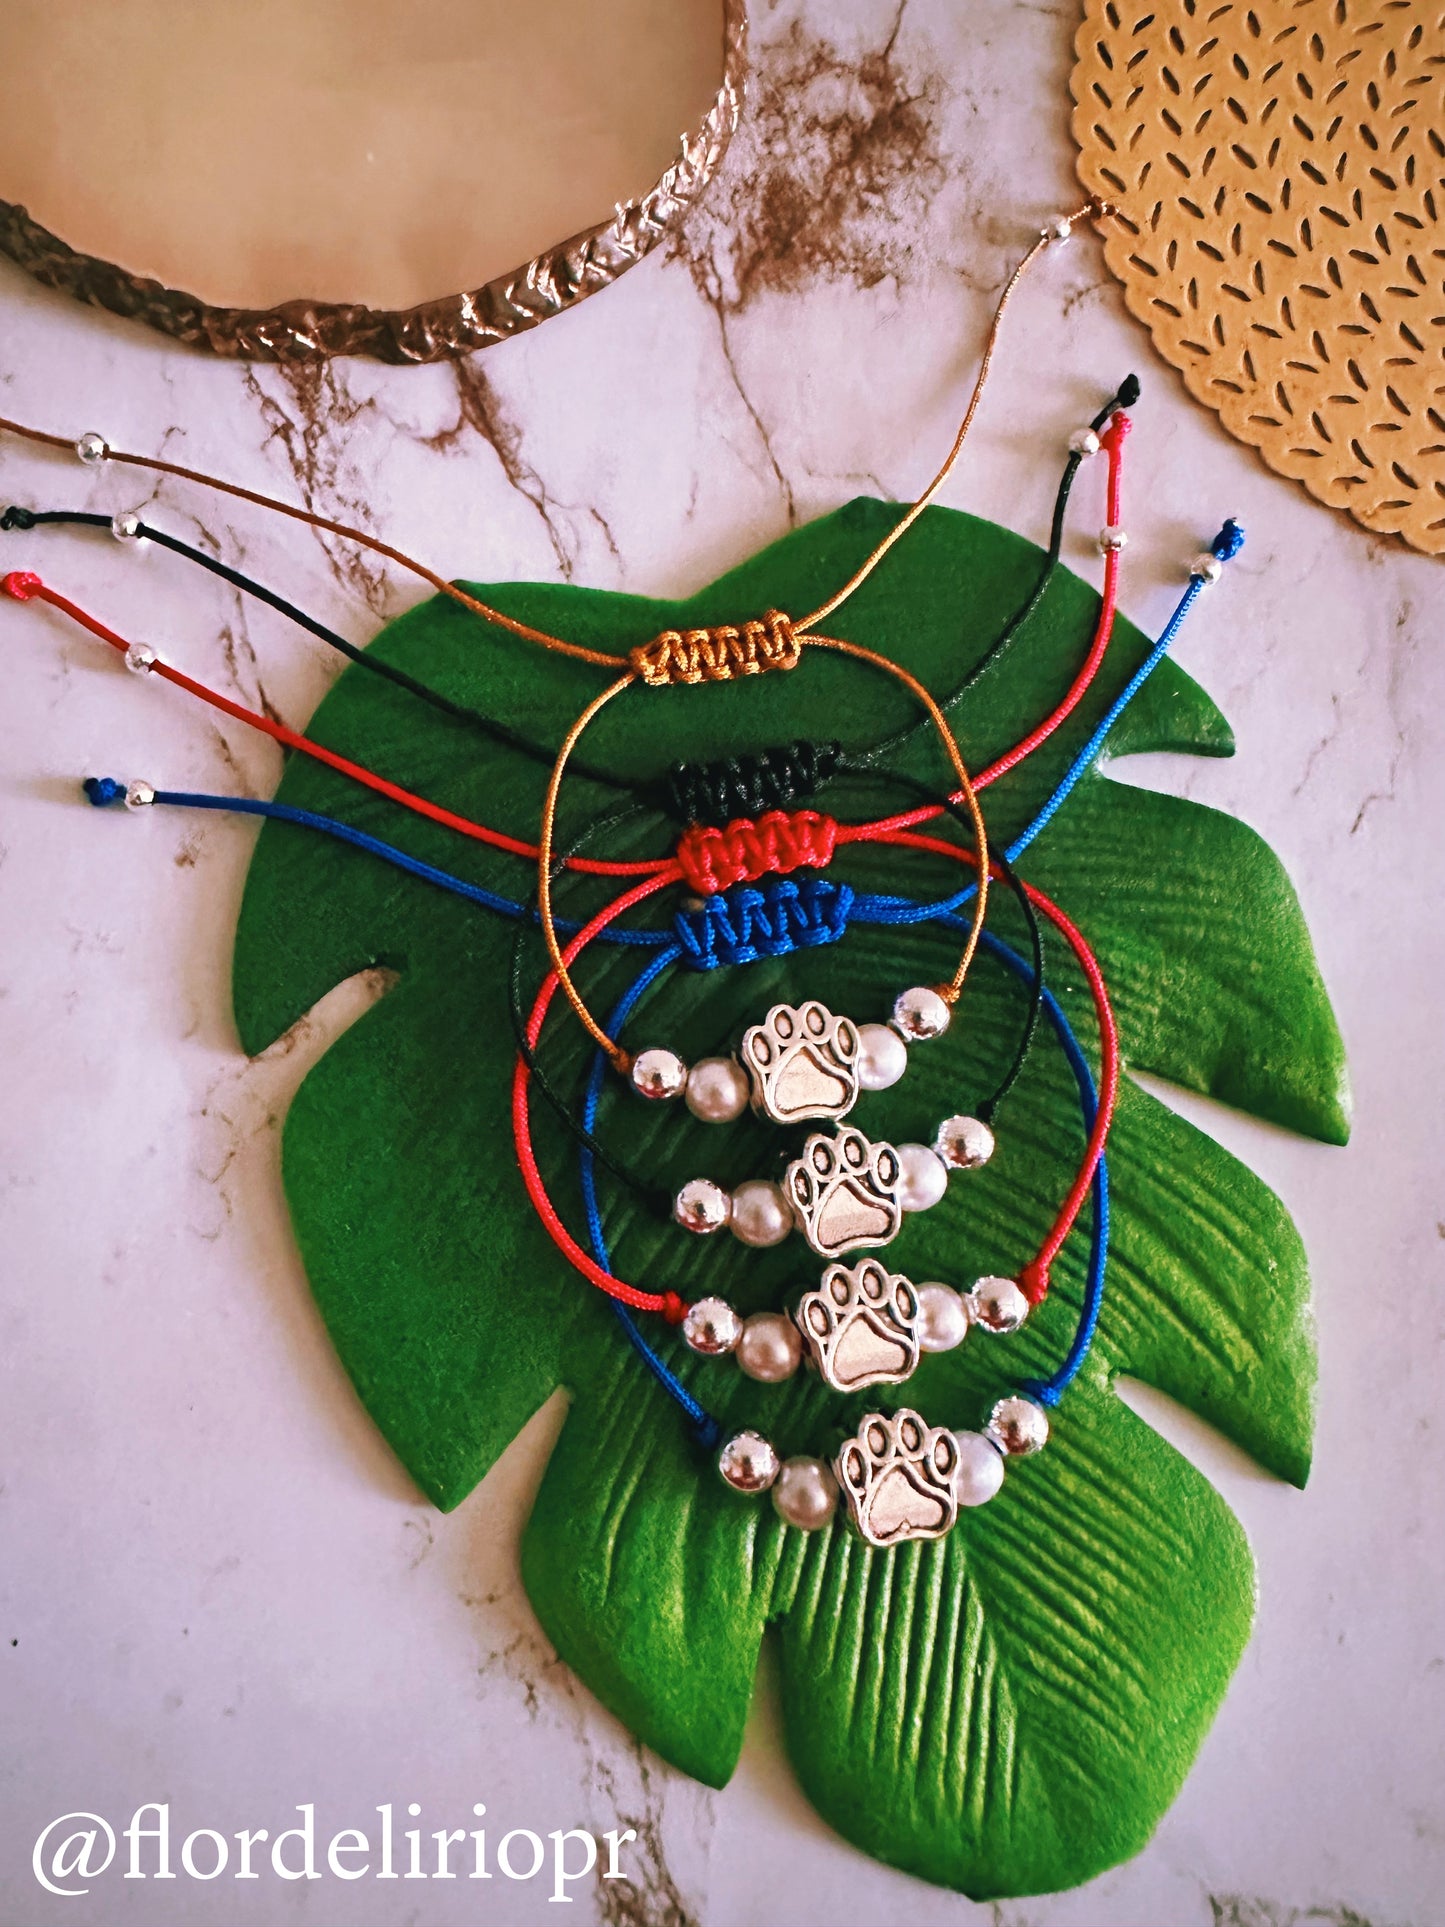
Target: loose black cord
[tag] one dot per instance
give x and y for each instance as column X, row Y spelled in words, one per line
column 714, row 792
column 859, row 760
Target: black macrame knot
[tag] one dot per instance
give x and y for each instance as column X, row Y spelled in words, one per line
column 747, row 784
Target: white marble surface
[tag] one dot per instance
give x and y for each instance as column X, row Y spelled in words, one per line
column 217, row 1588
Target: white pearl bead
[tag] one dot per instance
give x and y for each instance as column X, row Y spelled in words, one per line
column 760, row 1213
column 805, row 1494
column 942, row 1318
column 979, row 1472
column 701, row 1207
column 920, row 1014
column 771, row 1347
column 712, row 1327
column 717, row 1090
column 659, row 1074
column 748, row 1462
column 882, row 1056
column 923, row 1179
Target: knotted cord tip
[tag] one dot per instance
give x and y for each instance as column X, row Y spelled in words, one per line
column 22, row 584
column 674, row 1308
column 101, row 790
column 1128, row 392
column 16, row 517
column 1229, row 541
column 1033, row 1282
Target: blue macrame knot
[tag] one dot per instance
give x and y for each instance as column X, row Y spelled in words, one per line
column 749, row 922
column 103, row 789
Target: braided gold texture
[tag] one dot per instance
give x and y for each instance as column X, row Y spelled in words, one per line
column 304, row 330
column 719, row 654
column 1276, row 166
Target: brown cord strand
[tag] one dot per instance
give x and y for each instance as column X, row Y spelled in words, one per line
column 693, row 655
column 343, row 529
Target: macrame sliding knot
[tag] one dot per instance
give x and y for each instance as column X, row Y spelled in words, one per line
column 718, row 654
column 713, row 859
column 746, row 924
column 749, row 783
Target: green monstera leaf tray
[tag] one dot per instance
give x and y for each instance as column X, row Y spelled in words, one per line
column 1006, row 1711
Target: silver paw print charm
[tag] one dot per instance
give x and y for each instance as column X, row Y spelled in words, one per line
column 843, row 1191
column 802, row 1062
column 860, row 1327
column 896, row 1477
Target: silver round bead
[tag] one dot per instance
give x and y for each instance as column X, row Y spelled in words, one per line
column 761, row 1215
column 658, row 1074
column 998, row 1305
column 702, row 1207
column 923, row 1177
column 139, row 796
column 748, row 1462
column 805, row 1494
column 712, row 1327
column 140, row 658
column 1084, row 441
column 979, row 1472
column 92, row 448
column 943, row 1318
column 1112, row 539
column 882, row 1057
column 717, row 1090
column 964, row 1143
column 771, row 1347
column 1206, row 566
column 1018, row 1426
column 920, row 1014
column 1058, row 229
column 126, row 526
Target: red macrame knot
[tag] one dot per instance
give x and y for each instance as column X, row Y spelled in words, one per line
column 1033, row 1282
column 674, row 1309
column 22, row 584
column 713, row 859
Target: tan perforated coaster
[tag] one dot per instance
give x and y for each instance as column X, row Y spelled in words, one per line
column 1280, row 172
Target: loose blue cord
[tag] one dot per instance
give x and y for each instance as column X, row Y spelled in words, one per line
column 103, row 790
column 1225, row 546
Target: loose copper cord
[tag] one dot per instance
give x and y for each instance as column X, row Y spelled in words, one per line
column 950, row 991
column 1093, row 209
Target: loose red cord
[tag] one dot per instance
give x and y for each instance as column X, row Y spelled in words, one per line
column 1033, row 1279
column 1113, row 441
column 672, row 1307
column 25, row 587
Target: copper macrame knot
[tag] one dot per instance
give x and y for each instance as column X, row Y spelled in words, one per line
column 720, row 653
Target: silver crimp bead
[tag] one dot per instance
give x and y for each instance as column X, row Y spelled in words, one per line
column 1112, row 538
column 1206, row 566
column 139, row 796
column 140, row 658
column 1084, row 441
column 92, row 448
column 125, row 526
